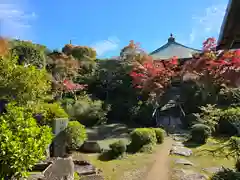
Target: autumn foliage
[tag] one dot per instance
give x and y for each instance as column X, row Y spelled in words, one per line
column 64, row 70
column 3, row 46
column 155, row 76
column 218, row 67
column 210, row 66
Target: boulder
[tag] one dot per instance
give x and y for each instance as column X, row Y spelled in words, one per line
column 183, row 162
column 61, row 168
column 84, row 168
column 182, row 151
column 90, row 147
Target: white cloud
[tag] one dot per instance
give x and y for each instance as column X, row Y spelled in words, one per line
column 15, row 19
column 104, row 46
column 208, row 23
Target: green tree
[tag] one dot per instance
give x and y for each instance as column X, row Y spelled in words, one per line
column 22, row 83
column 22, row 142
column 80, row 52
column 84, row 54
column 29, row 53
column 87, row 111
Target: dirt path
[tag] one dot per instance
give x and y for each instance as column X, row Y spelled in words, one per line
column 160, row 168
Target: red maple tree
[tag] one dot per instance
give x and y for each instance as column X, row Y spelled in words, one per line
column 69, row 86
column 154, row 76
column 217, row 67
column 208, row 67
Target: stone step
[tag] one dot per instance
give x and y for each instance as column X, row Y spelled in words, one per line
column 92, row 177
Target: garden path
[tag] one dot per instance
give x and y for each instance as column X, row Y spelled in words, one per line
column 160, row 170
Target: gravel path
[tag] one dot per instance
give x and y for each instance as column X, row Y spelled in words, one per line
column 160, row 168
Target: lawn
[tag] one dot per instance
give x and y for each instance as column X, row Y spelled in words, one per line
column 203, row 159
column 128, row 168
column 131, row 166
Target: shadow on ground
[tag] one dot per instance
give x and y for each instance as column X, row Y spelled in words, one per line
column 107, row 131
column 191, row 144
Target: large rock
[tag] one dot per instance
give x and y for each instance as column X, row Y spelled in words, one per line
column 84, row 168
column 61, row 168
column 91, row 147
column 182, row 151
column 183, row 162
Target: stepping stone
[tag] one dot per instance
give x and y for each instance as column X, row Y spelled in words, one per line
column 213, row 169
column 180, row 138
column 182, row 151
column 180, row 144
column 183, row 162
column 182, row 174
column 195, row 176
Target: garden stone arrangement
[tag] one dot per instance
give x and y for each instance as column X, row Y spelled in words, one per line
column 186, row 172
column 64, row 168
column 178, row 147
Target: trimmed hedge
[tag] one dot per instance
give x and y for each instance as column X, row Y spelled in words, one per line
column 160, row 133
column 117, row 149
column 229, row 121
column 200, row 133
column 141, row 137
column 76, row 134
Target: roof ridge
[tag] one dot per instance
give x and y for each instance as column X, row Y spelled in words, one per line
column 169, row 43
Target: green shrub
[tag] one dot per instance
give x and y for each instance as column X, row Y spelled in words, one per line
column 141, row 137
column 76, row 176
column 76, row 134
column 229, row 97
column 200, row 133
column 88, row 112
column 117, row 149
column 210, row 116
column 47, row 112
column 22, row 84
column 29, row 53
column 159, row 135
column 22, row 142
column 226, row 174
column 148, row 148
column 229, row 122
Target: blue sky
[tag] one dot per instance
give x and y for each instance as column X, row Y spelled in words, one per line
column 108, row 25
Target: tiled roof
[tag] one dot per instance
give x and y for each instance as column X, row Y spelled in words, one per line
column 173, row 48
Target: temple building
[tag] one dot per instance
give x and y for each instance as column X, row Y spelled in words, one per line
column 229, row 37
column 173, row 48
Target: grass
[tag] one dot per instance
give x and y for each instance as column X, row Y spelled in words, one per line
column 203, row 159
column 126, row 167
column 118, row 168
